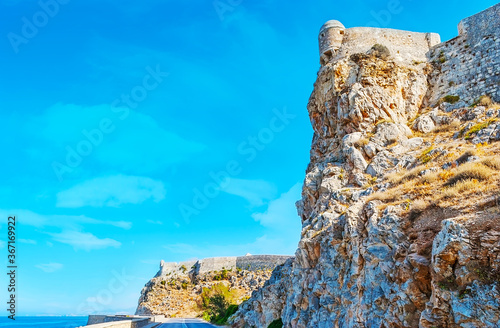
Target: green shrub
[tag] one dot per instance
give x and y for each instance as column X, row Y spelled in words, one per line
column 425, row 157
column 205, row 316
column 222, row 275
column 231, row 309
column 442, row 57
column 217, row 303
column 450, row 99
column 278, row 323
column 478, row 127
column 380, row 51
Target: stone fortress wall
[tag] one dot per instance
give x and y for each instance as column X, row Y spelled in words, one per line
column 337, row 42
column 197, row 267
column 469, row 65
column 404, row 46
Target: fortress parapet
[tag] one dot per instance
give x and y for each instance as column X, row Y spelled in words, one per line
column 466, row 66
column 335, row 42
column 196, row 267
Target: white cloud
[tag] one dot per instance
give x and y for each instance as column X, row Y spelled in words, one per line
column 49, row 267
column 256, row 192
column 27, row 217
column 278, row 245
column 281, row 214
column 154, row 222
column 132, row 141
column 111, row 191
column 280, row 236
column 27, row 241
column 84, row 240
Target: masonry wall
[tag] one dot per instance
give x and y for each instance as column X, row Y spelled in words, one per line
column 216, row 264
column 250, row 263
column 260, row 262
column 405, row 46
column 111, row 321
column 169, row 268
column 469, row 65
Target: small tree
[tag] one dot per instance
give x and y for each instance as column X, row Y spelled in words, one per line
column 278, row 323
column 216, row 303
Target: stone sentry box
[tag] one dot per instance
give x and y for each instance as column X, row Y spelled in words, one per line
column 330, row 39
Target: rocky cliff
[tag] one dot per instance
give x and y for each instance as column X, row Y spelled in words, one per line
column 400, row 205
column 176, row 288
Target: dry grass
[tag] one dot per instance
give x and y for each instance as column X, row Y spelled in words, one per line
column 485, row 101
column 384, row 120
column 419, row 204
column 396, row 193
column 452, row 127
column 465, row 156
column 361, row 142
column 431, row 177
column 468, row 171
column 492, row 162
column 461, row 187
column 403, row 176
column 383, row 196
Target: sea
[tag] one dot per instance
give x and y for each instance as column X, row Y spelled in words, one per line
column 43, row 322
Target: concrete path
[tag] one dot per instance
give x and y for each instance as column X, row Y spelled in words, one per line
column 186, row 323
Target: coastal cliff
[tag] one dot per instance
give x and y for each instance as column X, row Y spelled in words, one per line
column 400, row 203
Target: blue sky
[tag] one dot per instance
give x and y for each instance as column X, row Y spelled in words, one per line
column 121, row 118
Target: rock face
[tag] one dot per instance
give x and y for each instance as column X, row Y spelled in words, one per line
column 174, row 291
column 400, row 206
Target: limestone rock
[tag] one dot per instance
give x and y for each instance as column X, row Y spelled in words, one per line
column 424, row 124
column 379, row 252
column 382, row 163
column 356, row 158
